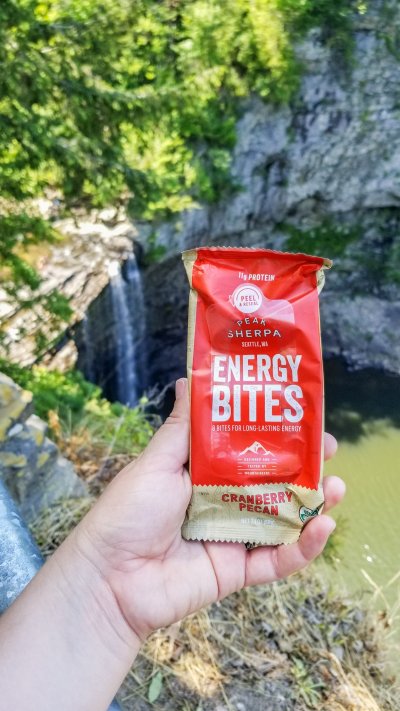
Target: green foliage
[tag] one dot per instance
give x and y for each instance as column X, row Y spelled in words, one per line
column 308, row 689
column 389, row 30
column 122, row 429
column 155, row 687
column 64, row 393
column 19, row 232
column 80, row 405
column 327, row 240
column 133, row 101
column 334, row 18
column 96, row 98
column 154, row 251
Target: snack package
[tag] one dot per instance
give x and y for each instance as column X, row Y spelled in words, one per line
column 256, row 394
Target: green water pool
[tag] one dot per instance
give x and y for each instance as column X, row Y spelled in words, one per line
column 363, row 412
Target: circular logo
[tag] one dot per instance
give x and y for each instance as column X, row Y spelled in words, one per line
column 306, row 513
column 247, row 298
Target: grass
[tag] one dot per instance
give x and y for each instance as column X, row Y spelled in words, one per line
column 296, row 645
column 55, row 523
column 98, row 445
column 379, row 600
column 290, row 646
column 75, row 409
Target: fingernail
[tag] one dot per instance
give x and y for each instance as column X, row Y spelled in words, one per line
column 180, row 387
column 332, row 526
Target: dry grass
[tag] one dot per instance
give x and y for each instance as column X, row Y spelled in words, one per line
column 291, row 646
column 55, row 523
column 94, row 459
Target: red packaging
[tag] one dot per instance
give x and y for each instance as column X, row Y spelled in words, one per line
column 256, row 390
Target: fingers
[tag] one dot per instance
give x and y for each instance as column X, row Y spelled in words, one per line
column 269, row 563
column 334, row 491
column 181, row 405
column 171, row 442
column 330, row 446
column 227, row 562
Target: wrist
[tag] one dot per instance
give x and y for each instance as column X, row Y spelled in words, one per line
column 91, row 597
column 79, row 647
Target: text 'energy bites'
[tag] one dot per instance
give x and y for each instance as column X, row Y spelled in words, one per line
column 256, row 391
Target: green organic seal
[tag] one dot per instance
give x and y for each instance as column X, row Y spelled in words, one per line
column 306, row 513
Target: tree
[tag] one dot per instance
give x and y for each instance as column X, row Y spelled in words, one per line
column 130, row 100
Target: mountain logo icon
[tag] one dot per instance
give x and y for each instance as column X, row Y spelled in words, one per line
column 257, row 448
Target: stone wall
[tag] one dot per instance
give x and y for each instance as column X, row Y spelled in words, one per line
column 31, row 466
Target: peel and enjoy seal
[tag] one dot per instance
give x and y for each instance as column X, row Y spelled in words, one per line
column 256, row 390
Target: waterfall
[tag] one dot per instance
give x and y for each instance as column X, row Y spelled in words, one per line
column 87, row 338
column 128, row 330
column 138, row 316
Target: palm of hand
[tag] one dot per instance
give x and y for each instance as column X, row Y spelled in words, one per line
column 155, row 575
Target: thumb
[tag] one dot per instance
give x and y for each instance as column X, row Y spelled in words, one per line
column 171, row 442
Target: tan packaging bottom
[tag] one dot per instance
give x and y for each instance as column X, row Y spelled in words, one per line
column 211, row 518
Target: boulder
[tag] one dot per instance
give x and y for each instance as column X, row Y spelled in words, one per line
column 30, row 463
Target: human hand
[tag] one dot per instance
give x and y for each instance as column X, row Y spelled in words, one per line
column 133, row 536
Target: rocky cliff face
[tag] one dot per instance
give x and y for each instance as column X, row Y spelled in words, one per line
column 321, row 175
column 78, row 267
column 30, row 464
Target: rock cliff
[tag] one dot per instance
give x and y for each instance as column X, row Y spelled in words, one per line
column 78, row 266
column 321, row 175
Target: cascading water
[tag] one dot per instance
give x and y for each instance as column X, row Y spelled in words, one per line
column 87, row 339
column 138, row 316
column 129, row 329
column 111, row 339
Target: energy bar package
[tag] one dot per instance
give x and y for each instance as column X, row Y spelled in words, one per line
column 256, row 393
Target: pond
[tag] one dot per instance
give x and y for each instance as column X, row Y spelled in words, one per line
column 363, row 412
